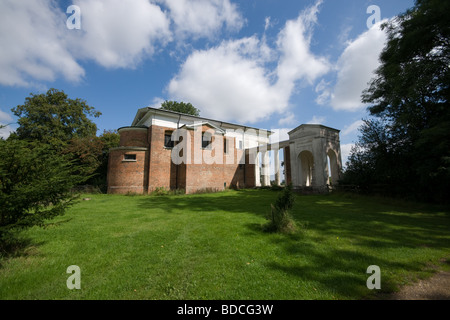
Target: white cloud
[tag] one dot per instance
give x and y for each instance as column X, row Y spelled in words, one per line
column 228, row 82
column 156, row 102
column 37, row 46
column 323, row 91
column 5, row 132
column 352, row 127
column 355, row 69
column 288, row 119
column 5, row 119
column 33, row 43
column 297, row 62
column 268, row 23
column 233, row 81
column 119, row 33
column 203, row 18
column 317, row 120
column 345, row 152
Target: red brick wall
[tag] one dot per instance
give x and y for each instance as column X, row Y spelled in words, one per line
column 163, row 173
column 133, row 137
column 127, row 176
column 154, row 168
column 249, row 172
column 218, row 175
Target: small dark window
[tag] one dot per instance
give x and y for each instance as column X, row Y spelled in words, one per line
column 168, row 142
column 129, row 157
column 225, row 145
column 206, row 140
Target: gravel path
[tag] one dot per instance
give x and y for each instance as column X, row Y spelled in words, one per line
column 435, row 288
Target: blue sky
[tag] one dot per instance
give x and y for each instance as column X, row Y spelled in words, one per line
column 266, row 63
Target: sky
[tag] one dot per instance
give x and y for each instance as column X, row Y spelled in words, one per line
column 271, row 64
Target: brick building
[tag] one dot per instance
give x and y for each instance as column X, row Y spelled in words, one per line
column 171, row 150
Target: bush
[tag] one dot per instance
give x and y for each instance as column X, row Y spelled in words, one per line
column 280, row 219
column 162, row 191
column 35, row 185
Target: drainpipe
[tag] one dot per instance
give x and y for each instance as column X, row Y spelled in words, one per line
column 177, row 165
column 148, row 160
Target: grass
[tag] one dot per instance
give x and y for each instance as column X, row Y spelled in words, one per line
column 211, row 246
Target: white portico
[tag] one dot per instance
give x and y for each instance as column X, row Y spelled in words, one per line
column 315, row 156
column 312, row 158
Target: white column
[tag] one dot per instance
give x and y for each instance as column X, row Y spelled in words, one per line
column 277, row 166
column 257, row 172
column 266, row 168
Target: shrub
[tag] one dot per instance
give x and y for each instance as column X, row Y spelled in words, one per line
column 162, row 191
column 35, row 185
column 280, row 219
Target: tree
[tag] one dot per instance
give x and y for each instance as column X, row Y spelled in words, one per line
column 182, row 107
column 86, row 152
column 55, row 119
column 91, row 155
column 374, row 160
column 109, row 139
column 35, row 185
column 410, row 93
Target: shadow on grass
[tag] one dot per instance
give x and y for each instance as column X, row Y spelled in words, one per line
column 369, row 227
column 16, row 247
column 242, row 201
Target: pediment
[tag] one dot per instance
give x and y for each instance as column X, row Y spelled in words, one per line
column 217, row 129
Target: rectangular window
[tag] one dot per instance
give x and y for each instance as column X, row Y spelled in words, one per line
column 225, row 145
column 240, row 145
column 206, row 140
column 129, row 157
column 168, row 142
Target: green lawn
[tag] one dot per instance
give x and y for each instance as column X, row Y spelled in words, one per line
column 211, row 246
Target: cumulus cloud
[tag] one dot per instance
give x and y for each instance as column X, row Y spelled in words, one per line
column 355, row 69
column 36, row 45
column 228, row 82
column 119, row 34
column 203, row 18
column 352, row 128
column 317, row 120
column 288, row 119
column 297, row 62
column 232, row 81
column 33, row 46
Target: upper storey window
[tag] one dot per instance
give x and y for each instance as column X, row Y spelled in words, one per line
column 168, row 142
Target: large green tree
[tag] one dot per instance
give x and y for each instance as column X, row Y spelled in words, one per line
column 35, row 185
column 53, row 118
column 66, row 125
column 410, row 95
column 182, row 107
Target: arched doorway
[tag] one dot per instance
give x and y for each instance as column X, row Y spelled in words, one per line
column 306, row 168
column 333, row 168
